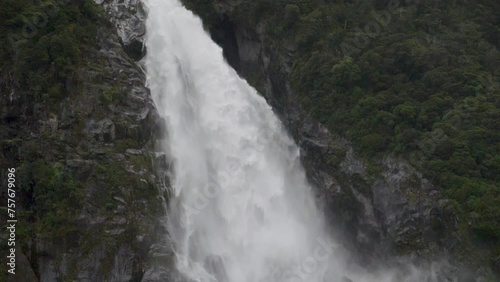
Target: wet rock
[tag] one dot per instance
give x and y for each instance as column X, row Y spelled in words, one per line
column 103, row 130
column 129, row 18
column 215, row 266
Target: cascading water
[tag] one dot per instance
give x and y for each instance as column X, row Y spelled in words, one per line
column 242, row 209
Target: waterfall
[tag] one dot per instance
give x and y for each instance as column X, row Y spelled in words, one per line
column 242, row 209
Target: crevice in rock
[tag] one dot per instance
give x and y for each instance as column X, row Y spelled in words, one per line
column 135, row 50
column 224, row 34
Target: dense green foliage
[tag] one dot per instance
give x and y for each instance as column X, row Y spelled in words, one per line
column 424, row 89
column 42, row 47
column 55, row 197
column 43, row 42
column 416, row 78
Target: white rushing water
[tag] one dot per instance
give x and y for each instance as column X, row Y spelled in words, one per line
column 242, row 210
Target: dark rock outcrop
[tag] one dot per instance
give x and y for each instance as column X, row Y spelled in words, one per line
column 101, row 135
column 129, row 17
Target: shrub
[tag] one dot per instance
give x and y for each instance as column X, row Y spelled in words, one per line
column 292, row 14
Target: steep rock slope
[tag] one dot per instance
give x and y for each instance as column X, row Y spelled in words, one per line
column 90, row 203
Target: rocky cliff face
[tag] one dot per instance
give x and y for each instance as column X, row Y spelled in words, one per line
column 99, row 142
column 129, row 19
column 380, row 208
